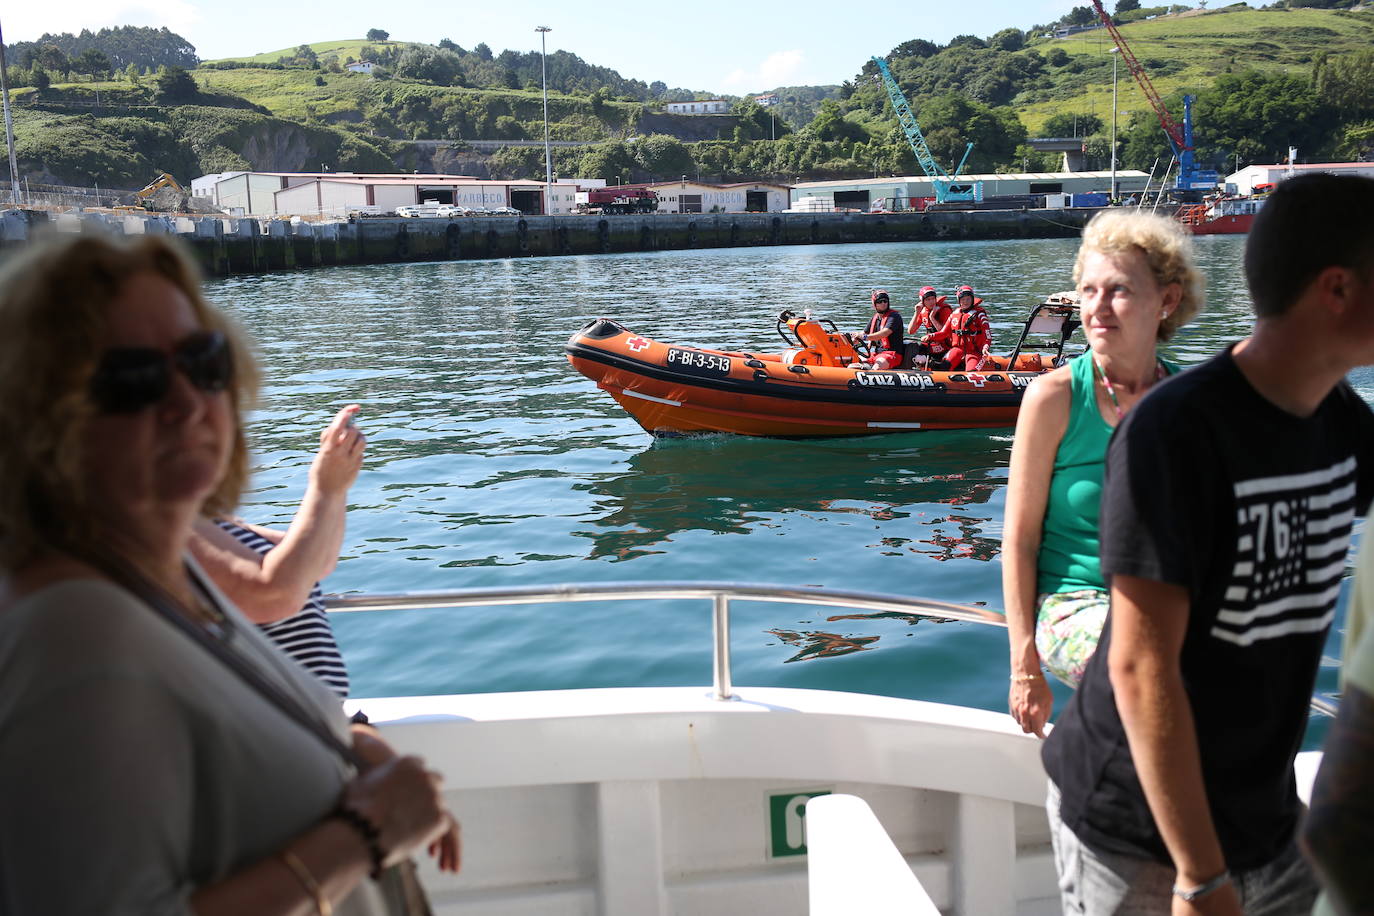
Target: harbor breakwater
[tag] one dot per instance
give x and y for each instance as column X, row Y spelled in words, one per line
column 228, row 246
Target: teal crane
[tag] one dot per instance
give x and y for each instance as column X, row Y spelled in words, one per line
column 943, row 182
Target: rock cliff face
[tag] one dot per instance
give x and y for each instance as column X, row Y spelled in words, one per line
column 282, row 147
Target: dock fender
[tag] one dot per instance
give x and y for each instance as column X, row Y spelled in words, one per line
column 453, row 242
column 402, row 243
column 522, row 231
column 603, row 234
column 563, row 239
column 646, row 237
column 692, row 232
column 775, row 230
column 734, row 233
column 493, row 241
column 815, row 230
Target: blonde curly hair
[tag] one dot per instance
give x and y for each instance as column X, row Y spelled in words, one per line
column 54, row 302
column 1168, row 250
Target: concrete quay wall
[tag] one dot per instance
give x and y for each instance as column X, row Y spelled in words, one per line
column 226, row 246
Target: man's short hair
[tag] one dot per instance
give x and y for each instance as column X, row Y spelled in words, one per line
column 1308, row 224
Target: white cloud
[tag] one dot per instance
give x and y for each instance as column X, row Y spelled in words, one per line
column 27, row 21
column 778, row 69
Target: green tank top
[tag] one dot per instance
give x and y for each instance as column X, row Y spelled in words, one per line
column 1068, row 560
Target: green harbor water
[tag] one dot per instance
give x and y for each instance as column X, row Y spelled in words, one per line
column 491, row 463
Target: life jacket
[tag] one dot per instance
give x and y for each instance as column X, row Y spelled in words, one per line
column 933, row 318
column 876, row 323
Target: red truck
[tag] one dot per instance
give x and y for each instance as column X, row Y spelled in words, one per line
column 620, row 200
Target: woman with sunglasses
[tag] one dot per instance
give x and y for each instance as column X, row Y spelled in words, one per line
column 160, row 756
column 1137, row 285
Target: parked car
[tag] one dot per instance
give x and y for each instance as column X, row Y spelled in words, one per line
column 451, row 210
column 506, row 211
column 429, row 208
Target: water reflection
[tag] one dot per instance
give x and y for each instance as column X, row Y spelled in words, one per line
column 733, row 485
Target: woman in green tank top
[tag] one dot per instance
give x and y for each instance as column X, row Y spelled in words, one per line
column 1137, row 285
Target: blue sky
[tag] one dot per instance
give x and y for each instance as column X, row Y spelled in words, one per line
column 734, row 48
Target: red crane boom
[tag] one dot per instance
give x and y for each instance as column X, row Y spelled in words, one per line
column 1171, row 127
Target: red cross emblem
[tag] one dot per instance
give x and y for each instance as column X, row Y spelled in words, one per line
column 977, row 379
column 637, row 343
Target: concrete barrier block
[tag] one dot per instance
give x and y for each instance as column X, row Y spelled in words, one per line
column 278, row 229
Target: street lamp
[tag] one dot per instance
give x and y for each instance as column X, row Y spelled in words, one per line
column 544, row 30
column 9, row 125
column 1116, row 54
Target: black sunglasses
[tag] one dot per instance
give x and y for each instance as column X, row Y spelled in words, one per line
column 129, row 379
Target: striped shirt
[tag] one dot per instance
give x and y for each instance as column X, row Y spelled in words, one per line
column 306, row 636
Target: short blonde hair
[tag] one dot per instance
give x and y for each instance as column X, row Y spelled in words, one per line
column 1168, row 250
column 54, row 304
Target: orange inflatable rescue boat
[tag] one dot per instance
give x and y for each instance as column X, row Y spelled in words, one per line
column 818, row 386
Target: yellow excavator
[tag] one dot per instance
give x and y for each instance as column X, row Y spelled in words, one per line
column 144, row 199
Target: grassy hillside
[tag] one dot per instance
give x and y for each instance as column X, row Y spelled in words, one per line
column 1265, row 79
column 1187, row 52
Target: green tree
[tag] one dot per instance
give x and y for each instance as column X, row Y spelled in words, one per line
column 132, row 74
column 50, row 57
column 830, row 124
column 1069, row 124
column 174, row 86
column 1125, row 6
column 608, row 161
column 1057, row 57
column 432, row 65
column 377, row 35
column 664, row 156
column 92, row 62
column 1008, row 40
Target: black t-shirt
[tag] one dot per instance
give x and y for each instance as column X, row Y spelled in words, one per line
column 889, row 319
column 1211, row 487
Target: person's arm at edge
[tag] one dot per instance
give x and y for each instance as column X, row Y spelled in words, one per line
column 1339, row 830
column 277, row 586
column 1149, row 621
column 1040, row 427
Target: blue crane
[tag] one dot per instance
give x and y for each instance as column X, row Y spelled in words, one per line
column 943, row 182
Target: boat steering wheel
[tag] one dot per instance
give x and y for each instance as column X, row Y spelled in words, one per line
column 862, row 347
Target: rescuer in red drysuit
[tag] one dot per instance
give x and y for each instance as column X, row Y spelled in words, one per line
column 967, row 333
column 884, row 333
column 931, row 315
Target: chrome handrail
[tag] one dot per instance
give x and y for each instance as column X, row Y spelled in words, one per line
column 719, row 593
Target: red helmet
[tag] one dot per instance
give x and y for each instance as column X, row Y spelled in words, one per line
column 925, row 291
column 880, row 295
column 963, row 289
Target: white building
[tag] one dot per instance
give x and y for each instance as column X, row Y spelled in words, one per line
column 699, row 197
column 766, row 101
column 864, row 193
column 706, row 107
column 1246, row 179
column 279, row 194
column 362, row 66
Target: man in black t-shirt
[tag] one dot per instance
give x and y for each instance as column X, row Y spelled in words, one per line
column 1228, row 500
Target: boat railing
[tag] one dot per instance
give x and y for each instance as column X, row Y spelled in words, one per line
column 720, row 594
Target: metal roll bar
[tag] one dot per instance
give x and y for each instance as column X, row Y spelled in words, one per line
column 720, row 594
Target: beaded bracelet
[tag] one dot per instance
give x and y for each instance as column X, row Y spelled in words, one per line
column 370, row 834
column 1023, row 678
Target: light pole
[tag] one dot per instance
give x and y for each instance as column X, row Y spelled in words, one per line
column 9, row 125
column 1116, row 53
column 543, row 31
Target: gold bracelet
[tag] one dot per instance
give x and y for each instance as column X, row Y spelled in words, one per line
column 1023, row 678
column 312, row 887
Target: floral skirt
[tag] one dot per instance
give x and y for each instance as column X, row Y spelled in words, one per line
column 1067, row 627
